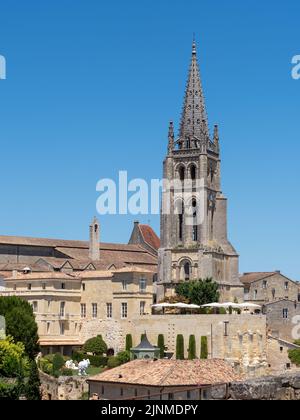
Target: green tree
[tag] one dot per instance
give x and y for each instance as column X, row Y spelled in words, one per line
column 113, row 362
column 57, row 364
column 199, row 292
column 180, row 347
column 96, row 346
column 192, row 347
column 123, row 357
column 294, row 356
column 129, row 342
column 12, row 361
column 32, row 388
column 20, row 323
column 161, row 345
column 204, row 348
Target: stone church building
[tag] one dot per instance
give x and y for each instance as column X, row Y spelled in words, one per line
column 194, row 242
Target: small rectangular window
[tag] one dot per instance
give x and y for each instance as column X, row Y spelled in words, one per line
column 62, row 309
column 83, row 310
column 124, row 285
column 286, row 285
column 29, row 286
column 265, row 284
column 63, row 286
column 285, row 313
column 143, row 285
column 109, row 313
column 83, row 287
column 142, row 308
column 44, row 286
column 48, row 327
column 35, row 306
column 124, row 310
column 94, row 310
column 62, row 328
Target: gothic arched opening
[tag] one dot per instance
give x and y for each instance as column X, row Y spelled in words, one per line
column 193, row 172
column 181, row 172
column 187, row 271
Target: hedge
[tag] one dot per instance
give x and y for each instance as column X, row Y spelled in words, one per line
column 129, row 342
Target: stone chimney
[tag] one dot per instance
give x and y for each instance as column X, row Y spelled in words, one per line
column 94, row 247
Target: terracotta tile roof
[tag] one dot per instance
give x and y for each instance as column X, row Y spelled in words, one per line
column 95, row 274
column 43, row 276
column 249, row 278
column 133, row 269
column 170, row 373
column 8, row 267
column 150, row 236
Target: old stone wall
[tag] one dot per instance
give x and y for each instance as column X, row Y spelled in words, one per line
column 284, row 387
column 240, row 339
column 63, row 388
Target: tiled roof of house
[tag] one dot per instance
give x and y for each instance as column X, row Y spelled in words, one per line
column 170, row 373
column 112, row 256
column 50, row 275
column 150, row 236
column 249, row 278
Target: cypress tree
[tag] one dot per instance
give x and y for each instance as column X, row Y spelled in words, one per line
column 180, row 347
column 32, row 388
column 129, row 342
column 204, row 348
column 161, row 345
column 192, row 348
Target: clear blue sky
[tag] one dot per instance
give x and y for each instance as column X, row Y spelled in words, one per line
column 91, row 86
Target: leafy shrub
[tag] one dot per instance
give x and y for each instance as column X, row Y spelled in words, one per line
column 96, row 361
column 113, row 362
column 192, row 348
column 204, row 348
column 180, row 347
column 96, row 346
column 78, row 356
column 45, row 366
column 123, row 357
column 11, row 358
column 294, row 356
column 66, row 372
column 58, row 363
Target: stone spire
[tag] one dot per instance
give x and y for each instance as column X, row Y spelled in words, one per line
column 194, row 124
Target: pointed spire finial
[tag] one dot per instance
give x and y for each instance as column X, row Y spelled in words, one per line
column 194, row 50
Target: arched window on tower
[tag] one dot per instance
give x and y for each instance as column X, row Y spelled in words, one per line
column 181, row 173
column 193, row 172
column 179, row 210
column 187, row 271
column 195, row 221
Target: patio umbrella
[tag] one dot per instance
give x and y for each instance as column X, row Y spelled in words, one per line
column 249, row 306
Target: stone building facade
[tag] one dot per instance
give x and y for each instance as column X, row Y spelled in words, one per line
column 194, row 242
column 283, row 319
column 269, row 287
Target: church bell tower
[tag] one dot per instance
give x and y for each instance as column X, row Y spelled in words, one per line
column 194, row 243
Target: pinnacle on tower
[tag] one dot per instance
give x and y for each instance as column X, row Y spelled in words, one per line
column 171, row 138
